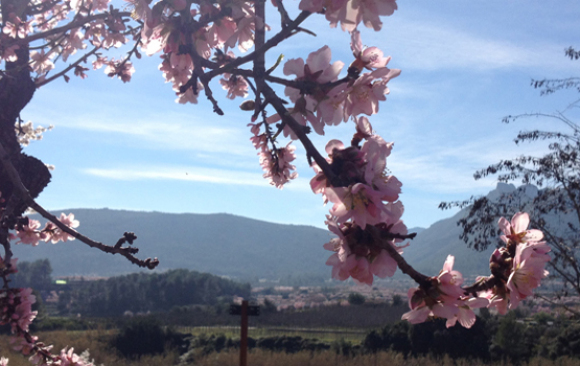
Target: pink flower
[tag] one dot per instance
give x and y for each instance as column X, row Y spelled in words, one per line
column 69, row 358
column 339, row 244
column 23, row 314
column 30, row 233
column 528, row 271
column 221, row 31
column 361, row 271
column 367, row 91
column 366, row 57
column 341, row 269
column 16, row 28
column 421, row 311
column 441, row 300
column 517, row 231
column 41, row 63
column 383, row 265
column 319, row 70
column 359, row 202
column 449, row 281
column 367, row 11
column 276, row 165
column 377, row 150
column 331, row 108
column 123, row 70
column 244, row 34
column 7, row 53
column 19, row 343
column 465, row 314
column 497, row 299
column 236, row 86
column 55, row 234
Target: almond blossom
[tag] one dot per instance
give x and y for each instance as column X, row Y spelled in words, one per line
column 58, row 234
column 528, row 270
column 367, row 12
column 441, row 299
column 41, row 62
column 29, row 234
column 366, row 92
column 276, row 165
column 236, row 86
column 123, row 70
column 517, row 230
column 366, row 57
column 465, row 314
column 318, row 69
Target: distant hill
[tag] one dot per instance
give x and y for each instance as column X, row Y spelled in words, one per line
column 237, row 247
column 220, row 244
column 429, row 250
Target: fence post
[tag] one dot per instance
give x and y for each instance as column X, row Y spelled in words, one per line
column 244, row 335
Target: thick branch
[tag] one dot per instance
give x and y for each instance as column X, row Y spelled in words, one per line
column 421, row 279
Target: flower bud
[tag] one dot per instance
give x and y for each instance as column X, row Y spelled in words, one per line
column 248, row 105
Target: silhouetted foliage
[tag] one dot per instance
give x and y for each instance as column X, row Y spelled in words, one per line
column 145, row 336
column 356, row 299
column 36, row 275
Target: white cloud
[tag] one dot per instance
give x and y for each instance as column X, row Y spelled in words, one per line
column 435, row 46
column 450, row 169
column 172, row 132
column 193, row 174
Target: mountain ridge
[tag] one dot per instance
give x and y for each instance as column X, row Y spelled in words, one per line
column 235, row 246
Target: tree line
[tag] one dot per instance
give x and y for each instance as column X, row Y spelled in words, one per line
column 137, row 292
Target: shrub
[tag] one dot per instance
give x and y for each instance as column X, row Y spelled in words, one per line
column 145, row 336
column 356, row 299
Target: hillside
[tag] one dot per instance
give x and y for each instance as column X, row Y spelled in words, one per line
column 235, row 246
column 220, row 244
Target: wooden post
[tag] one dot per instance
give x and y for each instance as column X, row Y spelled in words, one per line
column 244, row 335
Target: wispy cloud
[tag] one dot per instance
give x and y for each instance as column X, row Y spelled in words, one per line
column 193, row 174
column 435, row 46
column 173, row 133
column 449, row 169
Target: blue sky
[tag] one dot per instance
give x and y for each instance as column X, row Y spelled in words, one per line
column 465, row 65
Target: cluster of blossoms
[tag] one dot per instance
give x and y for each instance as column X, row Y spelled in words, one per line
column 26, row 132
column 519, row 266
column 100, row 28
column 275, row 162
column 516, row 270
column 324, row 100
column 27, row 231
column 276, row 165
column 366, row 213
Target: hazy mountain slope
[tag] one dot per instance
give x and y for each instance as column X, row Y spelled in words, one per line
column 222, row 244
column 235, row 246
column 430, row 248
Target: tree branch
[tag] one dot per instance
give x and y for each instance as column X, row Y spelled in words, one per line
column 21, row 190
